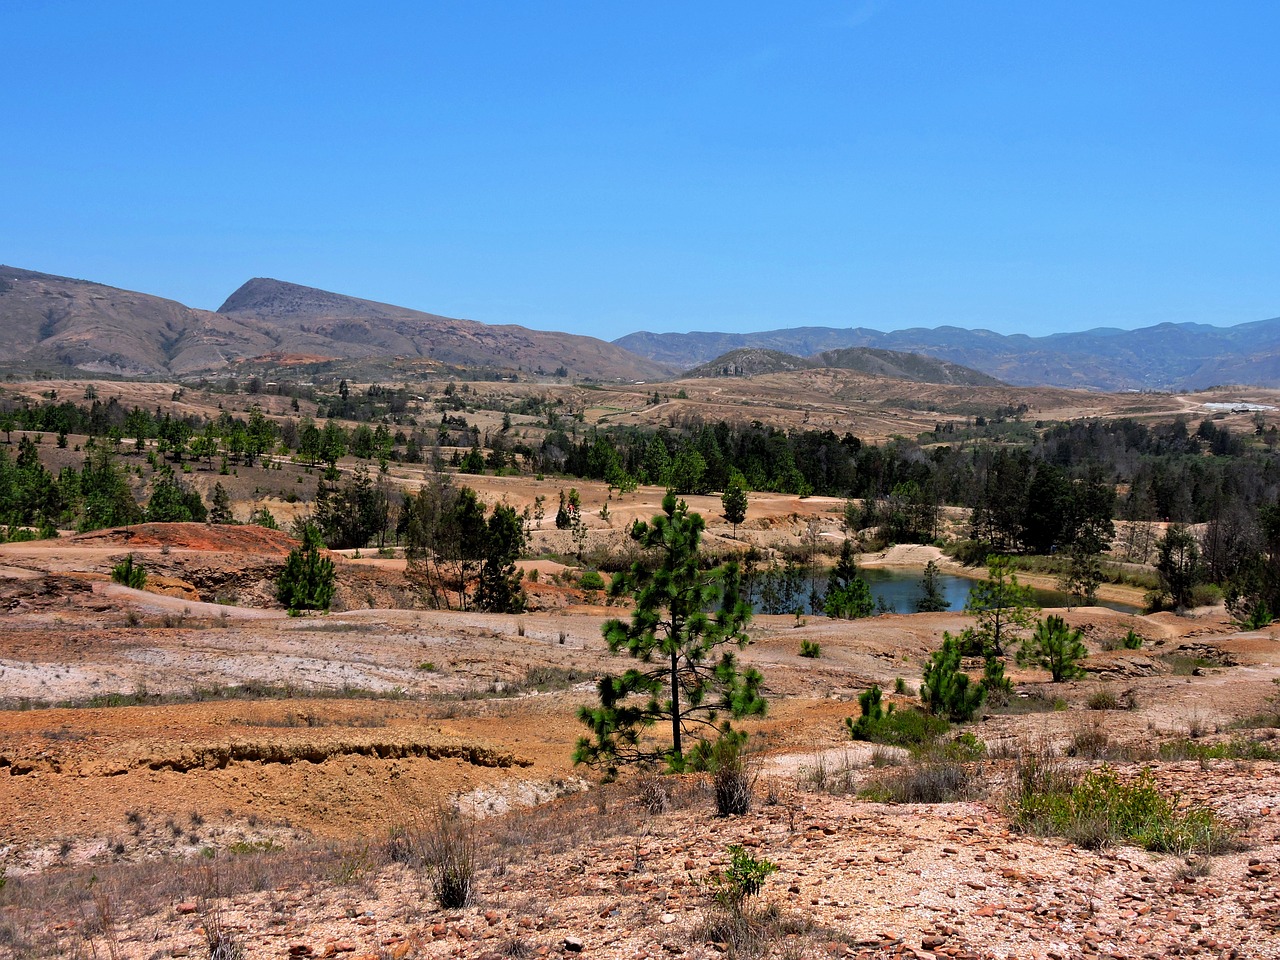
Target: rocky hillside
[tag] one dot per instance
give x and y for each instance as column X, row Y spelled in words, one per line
column 319, row 322
column 903, row 366
column 755, row 362
column 750, row 362
column 61, row 323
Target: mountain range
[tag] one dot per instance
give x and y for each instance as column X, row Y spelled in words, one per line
column 891, row 364
column 1168, row 356
column 55, row 322
column 58, row 322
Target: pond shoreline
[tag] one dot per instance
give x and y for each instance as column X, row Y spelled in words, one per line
column 917, row 555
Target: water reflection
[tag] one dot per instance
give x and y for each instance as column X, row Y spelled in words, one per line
column 898, row 589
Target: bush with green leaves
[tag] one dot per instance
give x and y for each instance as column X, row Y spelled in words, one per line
column 742, row 879
column 1055, row 647
column 810, row 649
column 731, row 919
column 129, row 573
column 947, row 690
column 896, row 728
column 1099, row 809
column 307, row 580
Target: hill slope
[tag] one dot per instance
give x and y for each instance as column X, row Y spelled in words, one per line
column 892, row 364
column 47, row 320
column 1168, row 356
column 903, row 366
column 318, row 321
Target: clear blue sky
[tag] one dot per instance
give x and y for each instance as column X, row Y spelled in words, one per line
column 603, row 168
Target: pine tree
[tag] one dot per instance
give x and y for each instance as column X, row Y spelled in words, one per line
column 735, row 503
column 675, row 639
column 499, row 590
column 1055, row 647
column 848, row 597
column 932, row 599
column 947, row 690
column 1003, row 607
column 220, row 511
column 307, row 580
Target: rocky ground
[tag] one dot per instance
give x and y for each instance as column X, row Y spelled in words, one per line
column 222, row 770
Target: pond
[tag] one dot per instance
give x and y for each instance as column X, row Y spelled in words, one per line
column 899, row 588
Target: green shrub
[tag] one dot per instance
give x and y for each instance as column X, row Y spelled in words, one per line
column 306, row 582
column 947, row 690
column 1099, row 809
column 129, row 573
column 741, row 880
column 811, row 649
column 894, row 728
column 971, row 553
column 591, row 580
column 1206, row 595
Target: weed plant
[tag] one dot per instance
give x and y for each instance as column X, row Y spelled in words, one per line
column 1098, row 809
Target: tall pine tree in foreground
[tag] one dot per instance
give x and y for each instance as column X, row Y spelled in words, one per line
column 683, row 631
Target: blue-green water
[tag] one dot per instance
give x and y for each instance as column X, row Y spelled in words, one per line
column 899, row 588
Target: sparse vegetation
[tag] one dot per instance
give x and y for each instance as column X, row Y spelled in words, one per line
column 937, row 779
column 445, row 844
column 129, row 573
column 1098, row 809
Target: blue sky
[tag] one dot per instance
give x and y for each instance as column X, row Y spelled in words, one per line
column 603, row 168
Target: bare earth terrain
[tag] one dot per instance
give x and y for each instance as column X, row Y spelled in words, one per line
column 132, row 830
column 188, row 760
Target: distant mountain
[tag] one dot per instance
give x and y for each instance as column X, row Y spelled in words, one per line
column 749, row 362
column 756, row 361
column 61, row 322
column 899, row 365
column 317, row 321
column 53, row 321
column 1182, row 356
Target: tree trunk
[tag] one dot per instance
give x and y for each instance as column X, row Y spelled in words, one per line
column 675, row 705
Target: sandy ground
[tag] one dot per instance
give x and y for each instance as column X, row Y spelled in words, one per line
column 363, row 718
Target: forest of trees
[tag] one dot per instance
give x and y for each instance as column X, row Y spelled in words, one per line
column 1054, row 487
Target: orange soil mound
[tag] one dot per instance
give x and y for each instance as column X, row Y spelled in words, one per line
column 194, row 536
